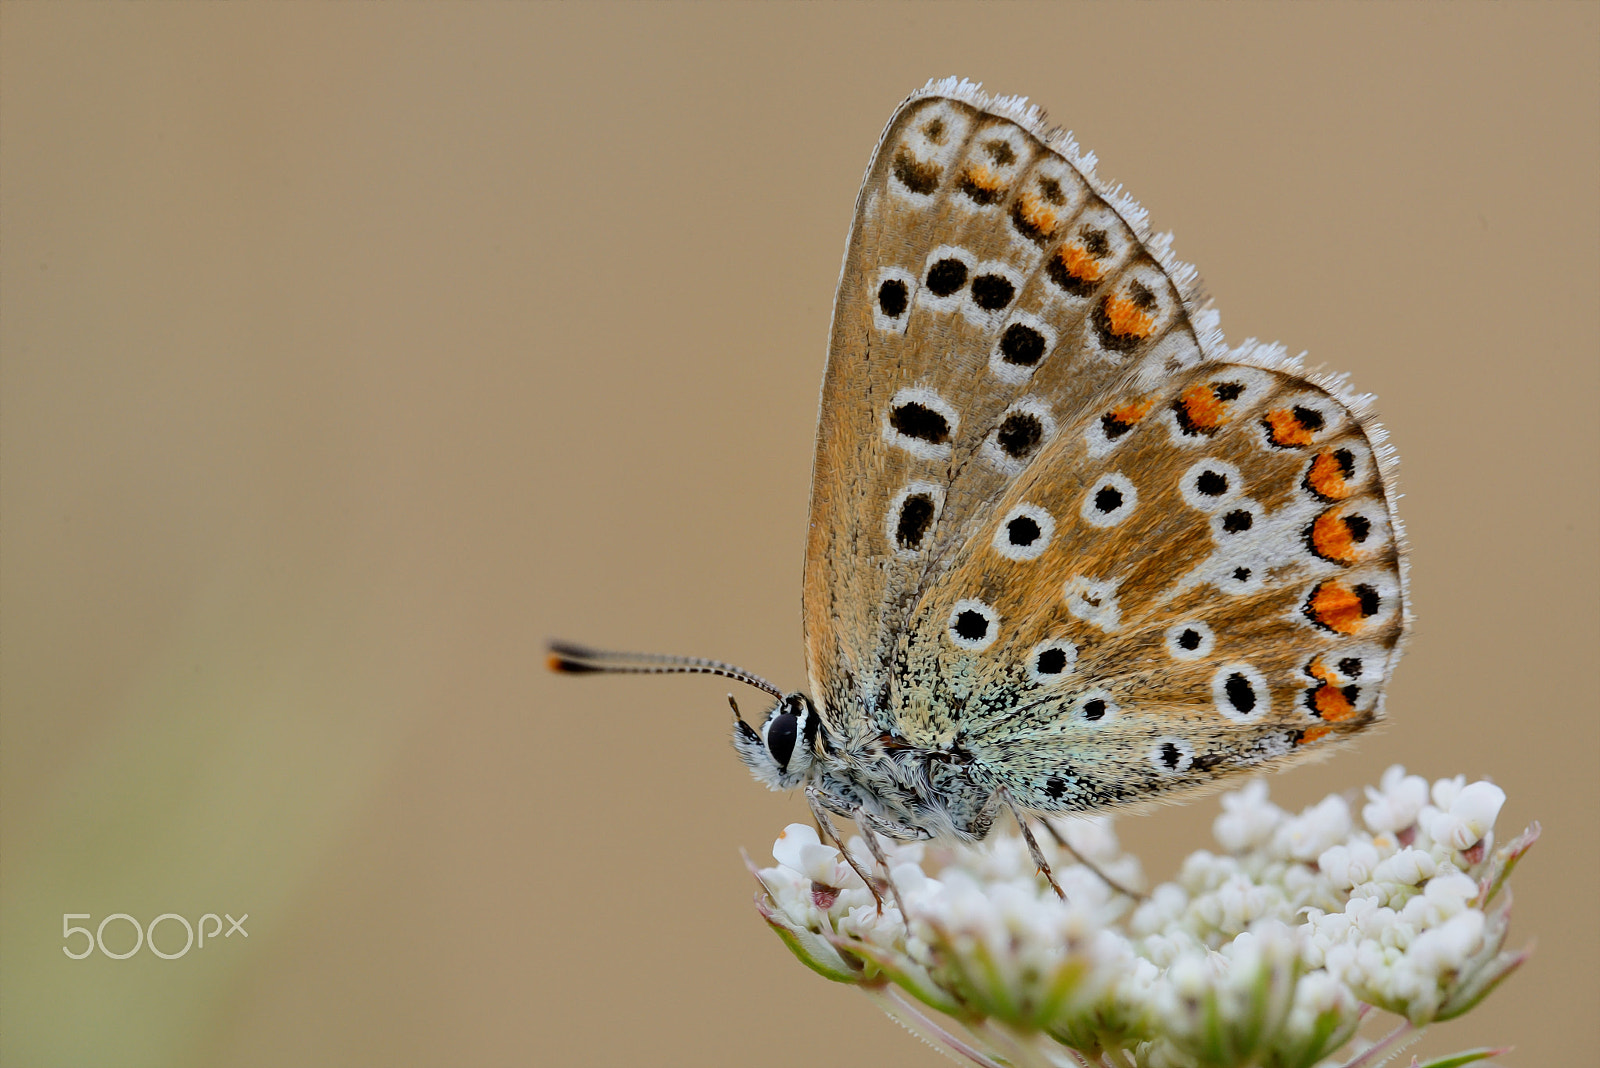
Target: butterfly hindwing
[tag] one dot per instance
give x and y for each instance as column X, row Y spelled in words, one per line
column 1219, row 591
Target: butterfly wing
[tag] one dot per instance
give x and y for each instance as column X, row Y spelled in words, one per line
column 1217, row 589
column 1007, row 337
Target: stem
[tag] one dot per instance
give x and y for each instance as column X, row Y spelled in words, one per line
column 1024, row 1050
column 918, row 1023
column 1380, row 1050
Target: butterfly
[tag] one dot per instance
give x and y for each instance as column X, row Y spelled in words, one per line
column 1068, row 550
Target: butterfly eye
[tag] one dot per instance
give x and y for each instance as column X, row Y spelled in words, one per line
column 891, row 300
column 919, row 421
column 781, row 734
column 1020, row 434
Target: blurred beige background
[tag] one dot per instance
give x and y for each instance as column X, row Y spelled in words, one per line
column 350, row 351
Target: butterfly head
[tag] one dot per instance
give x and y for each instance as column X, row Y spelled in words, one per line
column 779, row 753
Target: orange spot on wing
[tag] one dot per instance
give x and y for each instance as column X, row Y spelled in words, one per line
column 1127, row 318
column 1133, row 411
column 1328, row 700
column 982, row 177
column 1286, row 428
column 1331, row 538
column 1203, row 409
column 1336, row 606
column 1079, row 263
column 1313, row 733
column 1038, row 215
column 1326, row 477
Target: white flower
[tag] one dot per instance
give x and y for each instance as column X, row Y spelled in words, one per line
column 800, row 850
column 1447, row 947
column 1412, row 867
column 1248, row 818
column 1347, row 866
column 1163, row 908
column 865, row 922
column 1445, row 791
column 1268, row 953
column 1092, row 838
column 1394, row 804
column 1304, row 837
column 1467, row 818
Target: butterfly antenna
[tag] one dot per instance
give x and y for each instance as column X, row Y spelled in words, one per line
column 577, row 660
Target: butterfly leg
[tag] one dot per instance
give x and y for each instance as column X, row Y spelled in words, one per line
column 819, row 800
column 876, row 847
column 1061, row 840
column 1033, row 848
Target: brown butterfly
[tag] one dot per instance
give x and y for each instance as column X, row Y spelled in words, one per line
column 1068, row 550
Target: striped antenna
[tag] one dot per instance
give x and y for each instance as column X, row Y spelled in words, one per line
column 572, row 659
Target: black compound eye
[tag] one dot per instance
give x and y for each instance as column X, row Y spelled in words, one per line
column 781, row 734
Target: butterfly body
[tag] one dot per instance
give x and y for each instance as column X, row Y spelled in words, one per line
column 1067, row 550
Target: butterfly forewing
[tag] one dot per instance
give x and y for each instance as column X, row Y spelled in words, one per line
column 1051, row 528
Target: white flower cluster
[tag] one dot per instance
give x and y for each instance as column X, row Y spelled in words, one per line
column 1267, row 952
